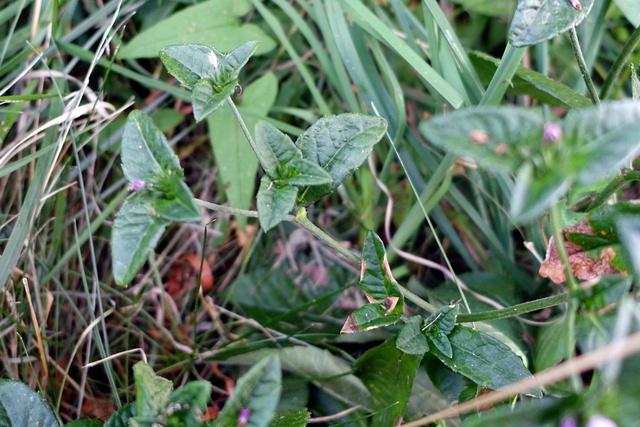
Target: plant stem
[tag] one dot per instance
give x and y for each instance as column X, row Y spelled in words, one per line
column 577, row 51
column 558, row 237
column 243, row 126
column 622, row 59
column 303, row 221
column 514, row 310
column 626, row 176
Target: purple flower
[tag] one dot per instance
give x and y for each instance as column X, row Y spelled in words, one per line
column 137, row 185
column 552, row 132
column 600, row 421
column 568, row 422
column 243, row 416
column 576, row 4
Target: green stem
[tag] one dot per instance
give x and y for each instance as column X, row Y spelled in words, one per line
column 244, row 128
column 562, row 252
column 622, row 59
column 577, row 51
column 303, row 221
column 626, row 176
column 514, row 310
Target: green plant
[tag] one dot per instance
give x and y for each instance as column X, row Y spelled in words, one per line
column 462, row 188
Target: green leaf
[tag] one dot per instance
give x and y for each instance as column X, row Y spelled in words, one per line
column 136, row 231
column 483, row 359
column 603, row 138
column 188, row 62
column 370, row 316
column 207, row 99
column 258, row 391
column 380, row 288
column 440, row 324
column 175, row 202
column 236, row 162
column 328, row 372
column 497, row 8
column 628, row 227
column 188, row 403
column 376, row 279
column 494, row 137
column 22, row 407
column 275, row 201
column 388, row 373
column 283, row 161
column 534, row 194
column 84, row 423
column 152, row 394
column 146, row 153
column 121, row 417
column 411, row 338
column 538, row 20
column 339, row 144
column 631, row 9
column 200, row 24
column 291, row 418
column 603, row 222
column 528, row 82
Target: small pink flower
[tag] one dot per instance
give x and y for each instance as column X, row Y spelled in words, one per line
column 568, row 422
column 576, row 4
column 600, row 421
column 137, row 185
column 243, row 417
column 552, row 132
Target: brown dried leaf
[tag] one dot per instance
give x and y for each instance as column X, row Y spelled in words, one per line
column 583, row 266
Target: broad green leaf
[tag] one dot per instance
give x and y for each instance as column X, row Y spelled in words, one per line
column 370, row 316
column 494, row 137
column 380, row 288
column 538, row 20
column 188, row 62
column 388, row 373
column 230, row 64
column 631, row 9
column 291, row 418
column 146, row 153
column 528, row 82
column 483, row 359
column 136, row 231
column 603, row 222
column 440, row 324
column 236, row 162
column 22, row 407
column 411, row 338
column 175, row 202
column 283, row 161
column 302, row 172
column 603, row 138
column 628, row 227
column 275, row 201
column 273, row 148
column 497, row 8
column 329, row 372
column 534, row 194
column 258, row 391
column 210, row 21
column 339, row 144
column 206, row 99
column 152, row 394
column 376, row 279
column 188, row 403
column 449, row 383
column 121, row 417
